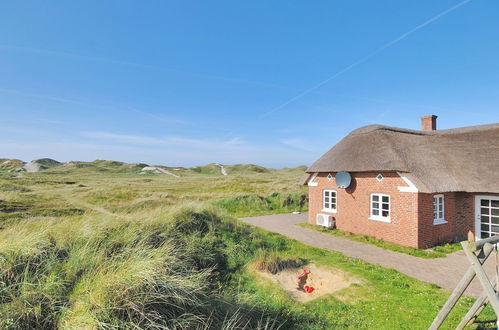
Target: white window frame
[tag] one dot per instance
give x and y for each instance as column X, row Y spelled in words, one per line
column 329, row 209
column 379, row 217
column 438, row 220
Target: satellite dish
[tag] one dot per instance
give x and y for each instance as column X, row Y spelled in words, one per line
column 343, row 180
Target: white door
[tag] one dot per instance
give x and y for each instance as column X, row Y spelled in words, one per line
column 486, row 216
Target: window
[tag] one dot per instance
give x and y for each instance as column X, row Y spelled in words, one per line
column 380, row 177
column 380, row 207
column 329, row 201
column 438, row 210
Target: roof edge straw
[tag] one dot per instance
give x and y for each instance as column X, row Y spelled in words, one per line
column 479, row 244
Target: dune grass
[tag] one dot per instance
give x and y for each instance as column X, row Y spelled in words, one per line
column 158, row 252
column 103, row 272
column 439, row 251
column 251, row 205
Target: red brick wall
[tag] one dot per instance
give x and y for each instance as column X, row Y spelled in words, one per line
column 411, row 213
column 430, row 234
column 459, row 213
column 353, row 207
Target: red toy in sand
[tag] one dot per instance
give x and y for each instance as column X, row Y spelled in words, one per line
column 309, row 289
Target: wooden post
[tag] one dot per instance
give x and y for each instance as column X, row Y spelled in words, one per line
column 454, row 297
column 463, row 283
column 484, row 280
column 474, row 311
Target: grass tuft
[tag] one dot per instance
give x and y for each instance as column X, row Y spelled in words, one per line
column 273, row 263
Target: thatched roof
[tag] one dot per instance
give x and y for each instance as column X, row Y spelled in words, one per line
column 460, row 159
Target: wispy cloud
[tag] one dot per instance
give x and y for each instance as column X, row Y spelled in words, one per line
column 103, row 107
column 140, row 65
column 297, row 143
column 163, row 141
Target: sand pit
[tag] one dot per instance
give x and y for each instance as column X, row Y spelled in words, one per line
column 324, row 280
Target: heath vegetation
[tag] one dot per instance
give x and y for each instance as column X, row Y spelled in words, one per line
column 102, row 245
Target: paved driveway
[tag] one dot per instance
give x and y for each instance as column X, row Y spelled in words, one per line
column 444, row 272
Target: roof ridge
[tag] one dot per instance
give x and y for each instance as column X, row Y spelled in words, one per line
column 465, row 129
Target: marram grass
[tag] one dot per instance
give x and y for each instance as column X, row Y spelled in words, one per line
column 105, row 272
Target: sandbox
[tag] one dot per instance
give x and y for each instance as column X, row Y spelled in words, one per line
column 324, row 280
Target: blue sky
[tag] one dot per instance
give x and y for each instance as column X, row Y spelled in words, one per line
column 275, row 83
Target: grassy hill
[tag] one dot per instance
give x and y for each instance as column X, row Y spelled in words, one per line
column 47, row 162
column 10, row 164
column 245, row 168
column 99, row 245
column 110, row 166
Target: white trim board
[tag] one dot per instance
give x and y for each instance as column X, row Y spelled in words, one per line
column 311, row 182
column 411, row 187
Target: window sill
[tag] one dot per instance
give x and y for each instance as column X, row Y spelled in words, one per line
column 328, row 210
column 387, row 220
column 439, row 222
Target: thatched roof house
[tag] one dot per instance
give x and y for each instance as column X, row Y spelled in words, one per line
column 436, row 161
column 434, row 185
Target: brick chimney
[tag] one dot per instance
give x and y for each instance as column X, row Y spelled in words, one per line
column 429, row 123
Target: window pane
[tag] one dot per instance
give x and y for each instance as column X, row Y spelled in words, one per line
column 484, row 210
column 494, row 220
column 484, row 227
column 375, row 205
column 441, row 215
column 485, row 219
column 495, row 203
column 484, row 202
column 385, row 199
column 485, row 234
column 495, row 211
column 326, row 193
column 375, row 212
column 375, row 198
column 326, row 199
column 385, row 213
column 385, row 206
column 495, row 229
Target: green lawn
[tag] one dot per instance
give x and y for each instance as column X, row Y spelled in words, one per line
column 435, row 252
column 387, row 299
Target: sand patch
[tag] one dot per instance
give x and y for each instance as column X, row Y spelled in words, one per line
column 324, row 280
